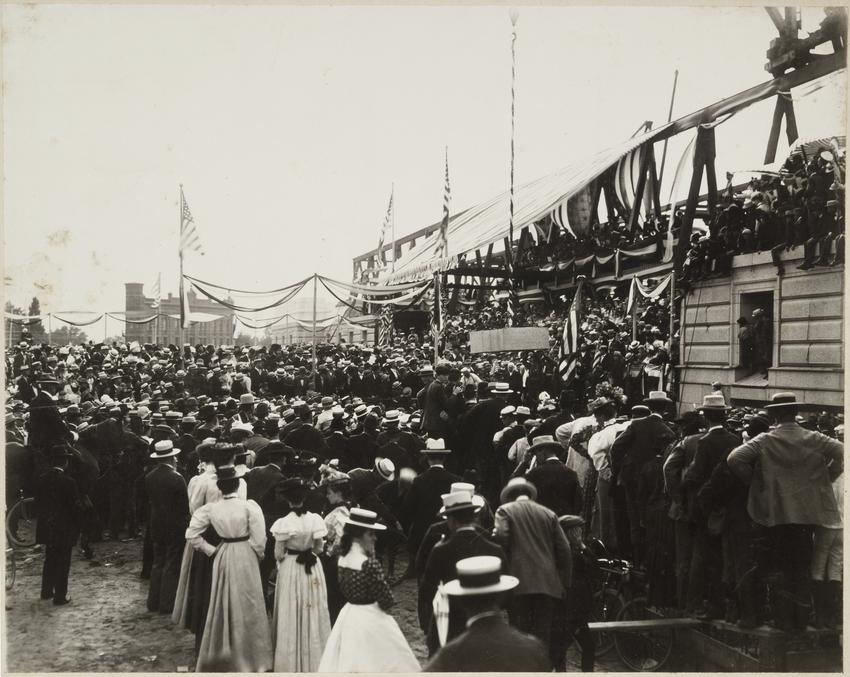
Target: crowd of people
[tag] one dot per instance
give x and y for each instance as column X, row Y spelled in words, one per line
column 273, row 501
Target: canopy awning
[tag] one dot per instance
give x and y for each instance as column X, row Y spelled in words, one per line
column 487, row 223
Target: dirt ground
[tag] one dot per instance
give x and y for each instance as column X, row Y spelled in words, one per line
column 107, row 628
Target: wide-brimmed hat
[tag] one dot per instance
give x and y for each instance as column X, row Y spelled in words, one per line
column 358, row 517
column 239, row 427
column 385, row 468
column 164, row 449
column 515, row 487
column 391, row 417
column 327, row 402
column 228, row 472
column 499, row 388
column 657, row 396
column 598, row 403
column 457, row 501
column 714, row 403
column 246, row 398
column 780, row 400
column 544, row 442
column 435, row 446
column 277, row 449
column 480, row 575
column 510, row 410
column 332, row 477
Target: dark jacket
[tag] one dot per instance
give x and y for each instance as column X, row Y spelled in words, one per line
column 58, row 509
column 441, row 568
column 712, row 448
column 435, row 402
column 641, row 441
column 557, row 487
column 307, row 438
column 423, row 502
column 491, row 645
column 674, row 470
column 262, row 480
column 169, row 503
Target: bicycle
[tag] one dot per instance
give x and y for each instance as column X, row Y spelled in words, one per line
column 644, row 649
column 20, row 533
column 615, row 593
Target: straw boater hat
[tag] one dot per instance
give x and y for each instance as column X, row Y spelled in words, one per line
column 480, row 575
column 657, row 396
column 499, row 388
column 458, row 501
column 239, row 427
column 385, row 468
column 508, row 411
column 515, row 487
column 714, row 403
column 391, row 417
column 164, row 449
column 781, row 400
column 358, row 517
column 435, row 446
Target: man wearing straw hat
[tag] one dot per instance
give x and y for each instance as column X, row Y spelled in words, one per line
column 464, row 540
column 790, row 471
column 489, row 644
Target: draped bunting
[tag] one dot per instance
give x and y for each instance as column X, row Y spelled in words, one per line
column 412, row 297
column 638, row 287
column 76, row 323
column 197, row 317
column 115, row 316
column 294, row 289
column 299, row 284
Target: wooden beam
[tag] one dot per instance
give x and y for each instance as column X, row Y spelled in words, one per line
column 656, row 187
column 777, row 19
column 641, row 185
column 693, row 196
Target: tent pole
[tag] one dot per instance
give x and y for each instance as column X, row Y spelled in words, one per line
column 315, row 363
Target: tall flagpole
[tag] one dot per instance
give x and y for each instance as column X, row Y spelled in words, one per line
column 392, row 200
column 315, row 363
column 514, row 15
column 438, row 316
column 182, row 297
column 50, row 329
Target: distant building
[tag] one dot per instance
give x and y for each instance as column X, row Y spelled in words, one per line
column 167, row 329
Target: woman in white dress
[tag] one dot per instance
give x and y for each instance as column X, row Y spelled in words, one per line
column 300, row 625
column 236, row 633
column 365, row 638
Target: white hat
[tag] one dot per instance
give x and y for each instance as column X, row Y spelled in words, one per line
column 359, row 517
column 462, row 486
column 164, row 449
column 523, row 411
column 455, row 501
column 437, row 446
column 510, row 410
column 246, row 398
column 243, row 427
column 385, row 468
column 480, row 575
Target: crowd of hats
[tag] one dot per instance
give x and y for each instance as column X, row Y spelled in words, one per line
column 803, row 206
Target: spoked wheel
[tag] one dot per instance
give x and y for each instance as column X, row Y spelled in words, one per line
column 607, row 605
column 21, row 522
column 644, row 650
column 10, row 568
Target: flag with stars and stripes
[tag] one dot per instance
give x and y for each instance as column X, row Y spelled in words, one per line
column 189, row 240
column 385, row 326
column 384, row 229
column 443, row 237
column 569, row 340
column 156, row 291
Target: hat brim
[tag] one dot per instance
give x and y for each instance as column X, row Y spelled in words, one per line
column 471, row 507
column 365, row 525
column 715, row 407
column 781, row 405
column 509, row 492
column 664, row 400
column 435, row 451
column 155, row 456
column 545, row 445
column 506, row 583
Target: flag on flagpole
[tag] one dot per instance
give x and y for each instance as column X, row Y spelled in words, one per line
column 443, row 237
column 156, row 291
column 385, row 326
column 568, row 358
column 385, row 229
column 437, row 311
column 189, row 240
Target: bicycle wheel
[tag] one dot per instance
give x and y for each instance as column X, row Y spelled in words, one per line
column 21, row 522
column 607, row 605
column 11, row 568
column 643, row 650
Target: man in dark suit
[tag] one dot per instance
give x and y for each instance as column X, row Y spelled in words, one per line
column 464, row 540
column 477, row 428
column 641, row 442
column 705, row 578
column 26, row 393
column 435, row 417
column 306, row 437
column 59, row 510
column 263, row 478
column 169, row 517
column 488, row 644
column 423, row 500
column 557, row 486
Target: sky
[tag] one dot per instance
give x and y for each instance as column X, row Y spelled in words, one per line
column 288, row 126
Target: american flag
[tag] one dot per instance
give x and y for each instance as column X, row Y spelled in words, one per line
column 569, row 340
column 437, row 311
column 189, row 240
column 156, row 291
column 385, row 326
column 443, row 241
column 384, row 228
